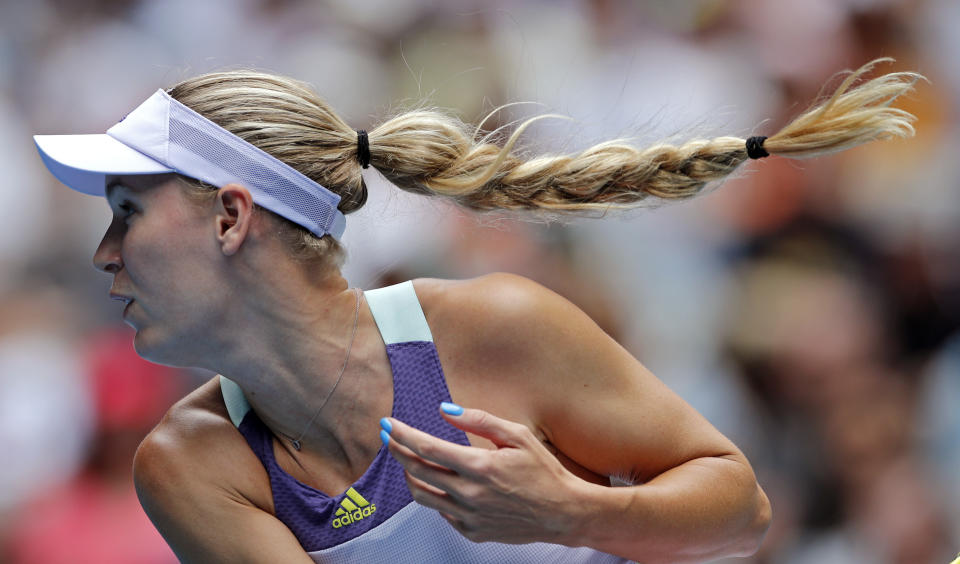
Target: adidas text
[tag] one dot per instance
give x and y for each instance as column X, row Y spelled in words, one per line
column 354, row 516
column 353, row 507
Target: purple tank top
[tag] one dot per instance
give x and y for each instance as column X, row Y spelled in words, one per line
column 418, row 389
column 376, row 519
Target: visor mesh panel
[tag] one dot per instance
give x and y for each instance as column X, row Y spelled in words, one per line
column 254, row 167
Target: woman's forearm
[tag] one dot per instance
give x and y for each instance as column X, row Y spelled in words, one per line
column 704, row 509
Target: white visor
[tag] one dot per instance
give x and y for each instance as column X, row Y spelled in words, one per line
column 164, row 136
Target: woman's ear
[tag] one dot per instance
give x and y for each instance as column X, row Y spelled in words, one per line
column 233, row 216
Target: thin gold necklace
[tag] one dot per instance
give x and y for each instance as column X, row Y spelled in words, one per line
column 356, row 319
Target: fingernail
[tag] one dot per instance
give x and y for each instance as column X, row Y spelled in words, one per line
column 451, row 408
column 387, row 425
column 385, row 437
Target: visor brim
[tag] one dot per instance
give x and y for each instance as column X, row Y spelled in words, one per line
column 83, row 162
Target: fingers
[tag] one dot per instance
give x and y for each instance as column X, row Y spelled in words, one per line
column 484, row 494
column 416, row 443
column 500, row 432
column 429, row 496
column 430, row 484
column 438, row 478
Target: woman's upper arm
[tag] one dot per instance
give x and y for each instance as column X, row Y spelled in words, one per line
column 591, row 398
column 190, row 489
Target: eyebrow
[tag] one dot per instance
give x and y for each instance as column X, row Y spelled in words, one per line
column 111, row 186
column 117, row 185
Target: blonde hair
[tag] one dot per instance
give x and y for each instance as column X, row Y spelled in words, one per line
column 432, row 153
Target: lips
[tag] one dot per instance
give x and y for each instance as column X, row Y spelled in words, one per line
column 127, row 300
column 120, row 297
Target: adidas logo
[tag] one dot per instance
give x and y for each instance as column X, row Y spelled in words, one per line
column 352, row 509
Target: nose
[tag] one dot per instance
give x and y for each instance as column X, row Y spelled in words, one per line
column 107, row 257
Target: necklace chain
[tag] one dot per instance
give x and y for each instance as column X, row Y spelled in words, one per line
column 356, row 319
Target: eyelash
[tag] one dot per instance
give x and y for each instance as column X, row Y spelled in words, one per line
column 127, row 208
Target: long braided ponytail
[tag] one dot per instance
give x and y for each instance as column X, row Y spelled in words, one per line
column 431, row 153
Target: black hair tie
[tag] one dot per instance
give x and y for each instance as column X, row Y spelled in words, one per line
column 363, row 148
column 755, row 148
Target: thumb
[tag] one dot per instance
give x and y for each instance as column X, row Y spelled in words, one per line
column 500, row 432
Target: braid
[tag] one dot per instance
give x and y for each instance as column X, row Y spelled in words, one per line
column 431, row 153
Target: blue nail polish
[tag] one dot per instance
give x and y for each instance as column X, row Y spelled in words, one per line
column 385, row 437
column 387, row 426
column 451, row 408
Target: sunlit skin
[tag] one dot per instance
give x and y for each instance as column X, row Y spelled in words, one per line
column 157, row 255
column 554, row 405
column 197, row 302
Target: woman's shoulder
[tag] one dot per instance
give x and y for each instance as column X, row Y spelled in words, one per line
column 500, row 305
column 485, row 297
column 196, row 448
column 198, row 418
column 504, row 323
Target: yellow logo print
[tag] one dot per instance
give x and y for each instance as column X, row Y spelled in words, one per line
column 352, row 509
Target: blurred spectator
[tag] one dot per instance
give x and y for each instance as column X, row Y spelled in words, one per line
column 46, row 415
column 811, row 333
column 939, row 425
column 96, row 514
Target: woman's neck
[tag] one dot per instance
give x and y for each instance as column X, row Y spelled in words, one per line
column 287, row 350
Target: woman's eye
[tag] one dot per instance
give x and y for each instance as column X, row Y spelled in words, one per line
column 126, row 210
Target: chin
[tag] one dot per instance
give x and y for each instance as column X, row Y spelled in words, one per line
column 158, row 351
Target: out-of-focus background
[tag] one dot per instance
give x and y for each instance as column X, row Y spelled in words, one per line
column 808, row 309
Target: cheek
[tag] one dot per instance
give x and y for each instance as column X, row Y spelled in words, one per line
column 165, row 255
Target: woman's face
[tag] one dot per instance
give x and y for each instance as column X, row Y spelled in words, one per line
column 159, row 247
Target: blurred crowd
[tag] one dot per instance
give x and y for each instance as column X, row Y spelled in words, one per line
column 809, row 309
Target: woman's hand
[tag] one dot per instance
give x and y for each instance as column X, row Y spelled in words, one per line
column 517, row 493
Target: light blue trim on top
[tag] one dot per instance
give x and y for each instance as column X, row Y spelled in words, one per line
column 399, row 317
column 398, row 314
column 233, row 397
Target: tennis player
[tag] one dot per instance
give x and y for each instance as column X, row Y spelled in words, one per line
column 442, row 421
